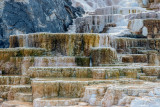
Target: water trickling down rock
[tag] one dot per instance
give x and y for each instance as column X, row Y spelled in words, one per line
column 108, row 58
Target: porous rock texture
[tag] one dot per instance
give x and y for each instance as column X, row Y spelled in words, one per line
column 29, row 16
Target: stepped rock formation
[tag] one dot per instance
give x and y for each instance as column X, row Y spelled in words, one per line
column 109, row 57
column 149, row 28
column 30, row 16
column 154, row 4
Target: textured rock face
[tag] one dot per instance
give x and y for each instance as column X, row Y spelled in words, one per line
column 16, row 104
column 74, row 69
column 146, row 101
column 96, row 23
column 154, row 5
column 63, row 44
column 102, row 56
column 29, row 16
column 135, row 58
column 59, row 88
column 144, row 15
column 11, row 59
column 42, row 102
column 149, row 28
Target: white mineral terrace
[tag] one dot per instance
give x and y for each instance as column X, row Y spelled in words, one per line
column 108, row 58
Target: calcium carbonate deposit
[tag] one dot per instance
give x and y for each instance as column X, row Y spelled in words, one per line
column 107, row 57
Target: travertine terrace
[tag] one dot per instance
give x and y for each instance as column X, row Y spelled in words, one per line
column 108, row 58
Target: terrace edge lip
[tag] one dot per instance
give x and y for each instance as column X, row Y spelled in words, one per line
column 104, row 53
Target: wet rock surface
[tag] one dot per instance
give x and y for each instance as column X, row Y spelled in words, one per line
column 149, row 27
column 58, row 43
column 111, row 68
column 104, row 56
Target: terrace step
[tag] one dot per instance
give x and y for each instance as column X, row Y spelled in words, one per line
column 15, row 103
column 99, row 95
column 140, row 74
column 41, row 102
column 58, row 43
column 61, row 61
column 151, row 70
column 54, row 61
column 147, row 51
column 82, row 104
column 134, row 58
column 149, row 78
column 107, row 65
column 5, row 54
column 135, row 50
column 62, row 87
column 18, row 89
column 8, row 91
column 94, row 94
column 14, row 80
column 25, row 97
column 80, row 72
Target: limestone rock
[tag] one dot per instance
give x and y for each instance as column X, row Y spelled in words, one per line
column 144, row 15
column 82, row 61
column 154, row 59
column 127, row 59
column 151, row 71
column 25, row 97
column 154, row 5
column 99, row 74
column 102, row 56
column 112, row 96
column 136, row 25
column 96, row 23
column 11, row 94
column 146, row 27
column 126, row 100
column 16, row 104
column 146, row 101
column 149, row 78
column 41, row 102
column 58, row 43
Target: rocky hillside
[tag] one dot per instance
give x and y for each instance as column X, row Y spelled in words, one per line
column 29, row 16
